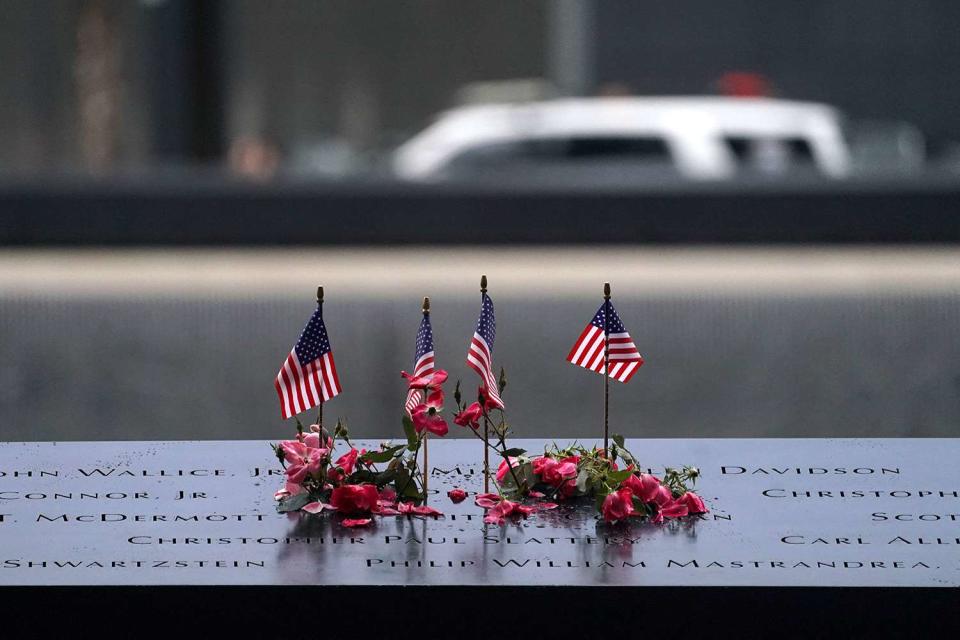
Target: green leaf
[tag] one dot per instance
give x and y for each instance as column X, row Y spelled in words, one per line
column 524, row 473
column 616, row 477
column 410, row 431
column 619, row 440
column 294, row 503
column 361, row 476
column 513, row 453
column 384, row 455
column 405, row 485
column 385, row 477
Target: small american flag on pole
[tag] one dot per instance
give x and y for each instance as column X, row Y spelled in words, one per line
column 587, row 352
column 422, row 361
column 480, row 353
column 308, row 376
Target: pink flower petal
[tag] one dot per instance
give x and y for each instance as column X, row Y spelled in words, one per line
column 314, row 507
column 355, row 522
column 427, row 511
column 546, row 506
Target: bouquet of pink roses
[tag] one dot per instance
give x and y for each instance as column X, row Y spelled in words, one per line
column 354, row 484
column 575, row 471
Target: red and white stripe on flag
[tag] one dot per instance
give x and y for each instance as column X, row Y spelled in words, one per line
column 587, row 352
column 423, row 367
column 302, row 388
column 478, row 359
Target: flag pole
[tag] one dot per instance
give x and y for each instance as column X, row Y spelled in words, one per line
column 606, row 369
column 486, row 420
column 322, row 441
column 426, row 464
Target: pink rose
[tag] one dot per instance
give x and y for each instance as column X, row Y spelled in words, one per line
column 355, row 498
column 554, row 473
column 674, row 510
column 312, row 440
column 426, row 416
column 644, row 486
column 663, row 496
column 470, row 416
column 347, row 461
column 618, row 505
column 429, row 381
column 457, row 495
column 303, row 460
column 693, row 502
column 671, row 509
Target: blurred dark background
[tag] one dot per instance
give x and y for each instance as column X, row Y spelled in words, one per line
column 772, row 189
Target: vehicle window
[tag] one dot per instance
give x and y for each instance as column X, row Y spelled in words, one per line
column 554, row 150
column 771, row 155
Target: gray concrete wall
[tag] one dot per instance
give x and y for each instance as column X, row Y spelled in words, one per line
column 840, row 348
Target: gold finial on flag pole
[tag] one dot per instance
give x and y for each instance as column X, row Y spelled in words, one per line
column 426, row 304
column 606, row 369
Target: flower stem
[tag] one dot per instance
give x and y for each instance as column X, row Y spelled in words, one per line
column 523, row 489
column 486, row 455
column 425, row 472
column 416, row 456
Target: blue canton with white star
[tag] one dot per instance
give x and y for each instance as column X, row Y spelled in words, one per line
column 487, row 324
column 614, row 323
column 313, row 342
column 424, row 339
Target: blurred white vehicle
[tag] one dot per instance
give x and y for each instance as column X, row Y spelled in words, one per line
column 699, row 138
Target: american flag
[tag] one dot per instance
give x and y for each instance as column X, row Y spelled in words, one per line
column 308, row 376
column 422, row 360
column 480, row 353
column 587, row 352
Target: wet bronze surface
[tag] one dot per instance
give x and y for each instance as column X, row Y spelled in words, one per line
column 197, row 513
